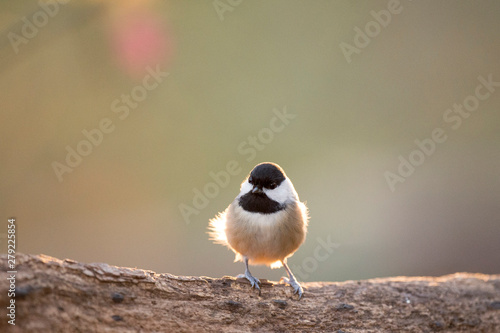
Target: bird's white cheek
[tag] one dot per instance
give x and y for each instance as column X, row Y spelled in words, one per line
column 283, row 193
column 245, row 188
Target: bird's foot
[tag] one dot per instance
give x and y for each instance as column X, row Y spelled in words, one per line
column 297, row 289
column 254, row 282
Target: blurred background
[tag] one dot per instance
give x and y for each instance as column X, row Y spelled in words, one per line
column 170, row 92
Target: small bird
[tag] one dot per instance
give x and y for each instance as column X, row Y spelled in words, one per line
column 265, row 224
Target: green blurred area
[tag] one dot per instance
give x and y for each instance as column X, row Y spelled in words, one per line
column 120, row 205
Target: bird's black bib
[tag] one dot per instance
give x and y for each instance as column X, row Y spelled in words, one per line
column 259, row 203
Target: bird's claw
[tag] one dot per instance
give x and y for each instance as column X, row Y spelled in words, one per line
column 297, row 288
column 254, row 282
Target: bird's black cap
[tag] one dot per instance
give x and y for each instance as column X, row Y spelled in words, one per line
column 267, row 173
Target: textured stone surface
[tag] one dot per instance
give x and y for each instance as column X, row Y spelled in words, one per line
column 55, row 295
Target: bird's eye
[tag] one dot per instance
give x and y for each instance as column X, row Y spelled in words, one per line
column 250, row 180
column 272, row 186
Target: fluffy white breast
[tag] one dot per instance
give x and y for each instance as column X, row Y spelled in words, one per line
column 257, row 219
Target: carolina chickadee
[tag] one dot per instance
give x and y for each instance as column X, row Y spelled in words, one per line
column 265, row 224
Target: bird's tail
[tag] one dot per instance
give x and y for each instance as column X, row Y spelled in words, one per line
column 276, row 264
column 217, row 229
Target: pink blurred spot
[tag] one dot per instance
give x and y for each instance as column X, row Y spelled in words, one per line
column 139, row 41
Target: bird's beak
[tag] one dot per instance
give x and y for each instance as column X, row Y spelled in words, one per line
column 257, row 190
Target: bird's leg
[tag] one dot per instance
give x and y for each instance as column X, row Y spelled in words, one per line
column 292, row 281
column 253, row 280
